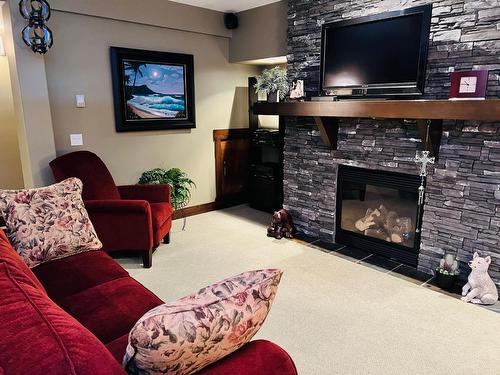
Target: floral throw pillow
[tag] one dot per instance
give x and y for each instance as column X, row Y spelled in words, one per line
column 184, row 336
column 48, row 223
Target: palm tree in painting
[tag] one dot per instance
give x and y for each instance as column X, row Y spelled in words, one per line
column 135, row 67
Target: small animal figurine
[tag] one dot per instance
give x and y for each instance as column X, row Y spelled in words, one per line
column 281, row 225
column 480, row 288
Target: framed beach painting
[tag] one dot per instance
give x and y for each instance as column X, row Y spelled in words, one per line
column 152, row 90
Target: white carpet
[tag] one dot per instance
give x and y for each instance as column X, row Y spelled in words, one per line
column 332, row 315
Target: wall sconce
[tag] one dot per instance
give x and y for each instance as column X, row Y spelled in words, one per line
column 36, row 34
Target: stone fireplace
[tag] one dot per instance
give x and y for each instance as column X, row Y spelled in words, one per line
column 461, row 213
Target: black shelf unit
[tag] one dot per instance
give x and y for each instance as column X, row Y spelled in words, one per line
column 266, row 161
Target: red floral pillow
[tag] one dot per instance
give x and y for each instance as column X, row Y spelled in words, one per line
column 48, row 223
column 184, row 336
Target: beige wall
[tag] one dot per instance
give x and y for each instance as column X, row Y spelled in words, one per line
column 31, row 101
column 79, row 64
column 161, row 13
column 11, row 175
column 261, row 33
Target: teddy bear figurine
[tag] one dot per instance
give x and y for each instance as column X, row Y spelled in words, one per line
column 281, row 225
column 480, row 288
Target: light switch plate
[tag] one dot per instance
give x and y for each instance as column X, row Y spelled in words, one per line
column 80, row 101
column 76, row 139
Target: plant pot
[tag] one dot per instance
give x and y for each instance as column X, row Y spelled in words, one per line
column 446, row 282
column 273, row 97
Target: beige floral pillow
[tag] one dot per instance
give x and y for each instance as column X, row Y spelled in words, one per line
column 184, row 336
column 48, row 223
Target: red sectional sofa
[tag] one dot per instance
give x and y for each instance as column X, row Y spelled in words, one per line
column 73, row 315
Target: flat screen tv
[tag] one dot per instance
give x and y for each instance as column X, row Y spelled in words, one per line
column 380, row 55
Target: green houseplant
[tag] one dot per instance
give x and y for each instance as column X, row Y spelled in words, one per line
column 178, row 180
column 274, row 83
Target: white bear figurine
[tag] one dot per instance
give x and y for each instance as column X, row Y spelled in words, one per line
column 480, row 287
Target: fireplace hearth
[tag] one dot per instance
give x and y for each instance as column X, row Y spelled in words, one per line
column 379, row 211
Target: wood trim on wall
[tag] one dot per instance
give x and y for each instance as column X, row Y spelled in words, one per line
column 476, row 110
column 195, row 210
column 225, row 134
column 201, row 209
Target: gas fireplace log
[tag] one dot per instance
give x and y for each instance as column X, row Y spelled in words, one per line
column 383, row 224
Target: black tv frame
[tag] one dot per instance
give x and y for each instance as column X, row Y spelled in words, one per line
column 389, row 89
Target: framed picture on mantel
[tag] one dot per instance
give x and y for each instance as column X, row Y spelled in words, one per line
column 152, row 90
column 469, row 84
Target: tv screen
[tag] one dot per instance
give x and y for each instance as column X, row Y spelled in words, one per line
column 383, row 51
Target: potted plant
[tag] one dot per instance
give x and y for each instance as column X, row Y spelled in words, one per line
column 447, row 272
column 179, row 182
column 274, row 83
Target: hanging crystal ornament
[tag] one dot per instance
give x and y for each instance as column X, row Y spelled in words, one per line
column 38, row 37
column 35, row 9
column 422, row 158
column 36, row 34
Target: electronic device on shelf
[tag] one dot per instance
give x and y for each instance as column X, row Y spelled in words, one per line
column 266, row 136
column 326, row 98
column 266, row 170
column 376, row 56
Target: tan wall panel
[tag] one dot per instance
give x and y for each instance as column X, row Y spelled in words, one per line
column 11, row 174
column 161, row 13
column 31, row 101
column 79, row 64
column 261, row 33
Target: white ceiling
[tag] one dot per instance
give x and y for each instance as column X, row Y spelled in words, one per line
column 227, row 5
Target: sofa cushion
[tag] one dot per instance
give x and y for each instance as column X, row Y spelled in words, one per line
column 19, row 270
column 256, row 357
column 187, row 335
column 67, row 276
column 160, row 213
column 48, row 223
column 38, row 337
column 110, row 310
column 118, row 346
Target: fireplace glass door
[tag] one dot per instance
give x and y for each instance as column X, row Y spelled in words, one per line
column 379, row 211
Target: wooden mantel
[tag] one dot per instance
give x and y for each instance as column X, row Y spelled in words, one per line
column 428, row 113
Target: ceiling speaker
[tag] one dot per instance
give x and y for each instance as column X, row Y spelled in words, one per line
column 231, row 21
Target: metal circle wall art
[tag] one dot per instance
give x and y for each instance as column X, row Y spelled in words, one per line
column 36, row 34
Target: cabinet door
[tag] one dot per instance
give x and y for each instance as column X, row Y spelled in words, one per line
column 235, row 166
column 232, row 160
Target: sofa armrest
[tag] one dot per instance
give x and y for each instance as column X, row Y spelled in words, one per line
column 117, row 206
column 152, row 193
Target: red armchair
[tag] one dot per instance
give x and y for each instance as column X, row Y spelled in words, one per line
column 130, row 218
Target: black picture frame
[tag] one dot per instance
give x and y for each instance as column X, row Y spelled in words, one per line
column 152, row 110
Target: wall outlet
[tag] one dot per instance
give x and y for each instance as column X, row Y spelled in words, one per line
column 80, row 101
column 76, row 139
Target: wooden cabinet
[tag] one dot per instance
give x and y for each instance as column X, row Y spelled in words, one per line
column 232, row 162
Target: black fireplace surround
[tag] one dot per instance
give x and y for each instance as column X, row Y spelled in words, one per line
column 379, row 211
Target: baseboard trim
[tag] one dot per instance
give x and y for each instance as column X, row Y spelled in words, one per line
column 205, row 207
column 195, row 210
